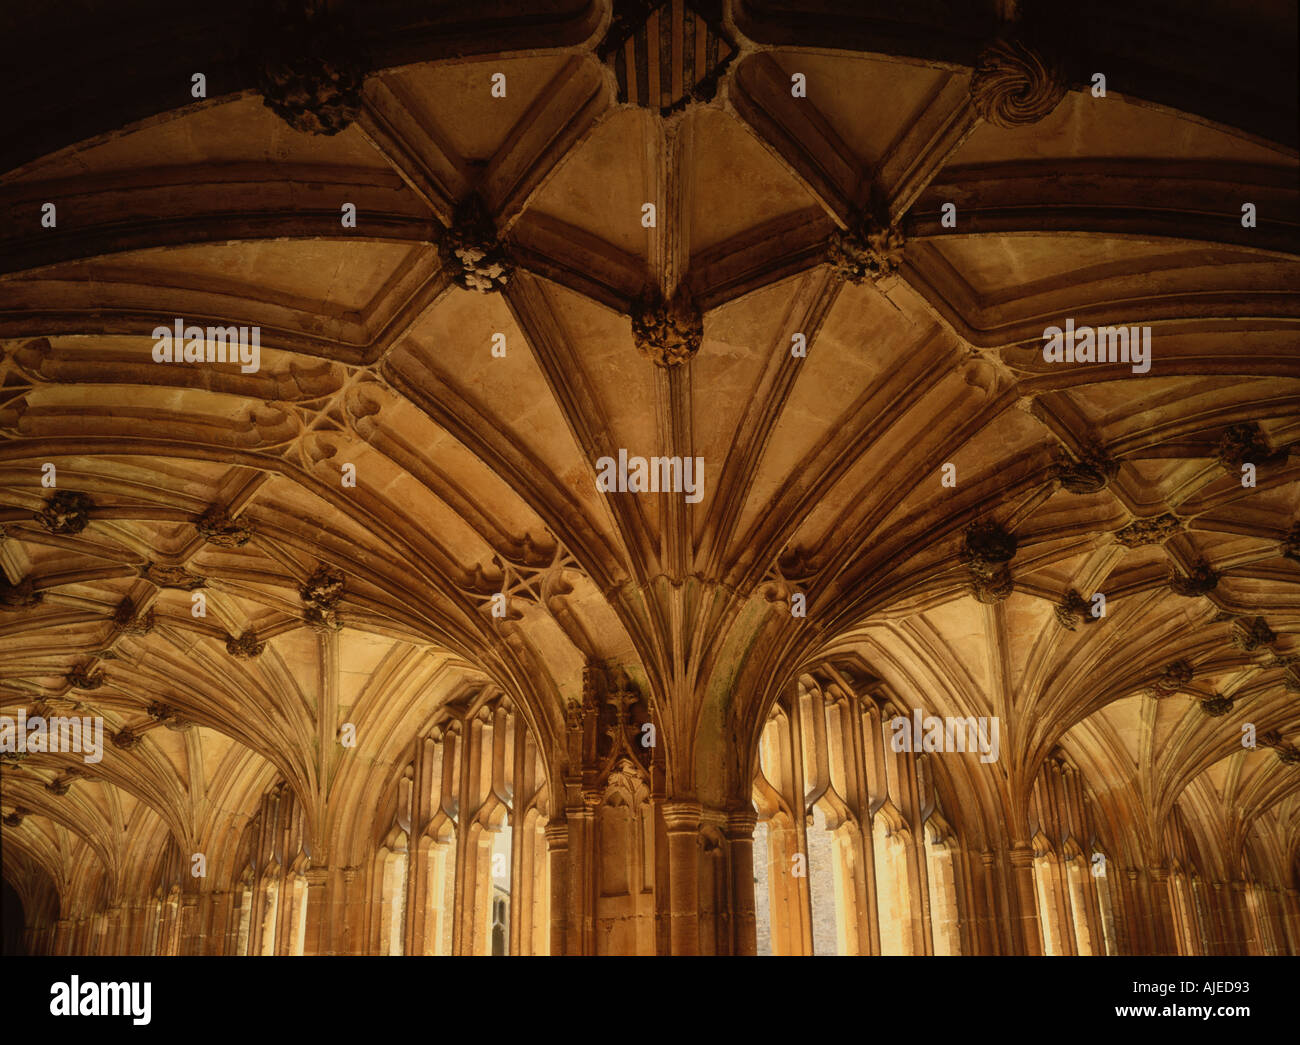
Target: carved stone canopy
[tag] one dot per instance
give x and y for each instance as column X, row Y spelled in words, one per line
column 870, row 249
column 472, row 251
column 1015, row 84
column 310, row 66
column 66, row 512
column 667, row 332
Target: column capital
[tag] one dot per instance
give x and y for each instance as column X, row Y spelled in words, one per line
column 741, row 823
column 557, row 834
column 1021, row 855
column 682, row 817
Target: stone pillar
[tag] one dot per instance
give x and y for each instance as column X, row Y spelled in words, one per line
column 319, row 912
column 216, row 917
column 1221, row 933
column 740, row 843
column 984, row 918
column 580, row 934
column 350, row 912
column 1163, row 932
column 1248, row 941
column 1025, row 920
column 1136, row 915
column 557, row 852
column 1291, row 919
column 192, row 910
column 682, row 824
column 112, row 930
column 62, row 936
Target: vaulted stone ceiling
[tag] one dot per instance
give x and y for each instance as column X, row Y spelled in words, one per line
column 475, row 473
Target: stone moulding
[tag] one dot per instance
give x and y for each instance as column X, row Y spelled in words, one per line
column 1015, row 84
column 669, row 331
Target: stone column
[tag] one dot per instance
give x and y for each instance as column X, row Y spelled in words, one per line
column 984, row 916
column 580, row 934
column 557, row 853
column 193, row 909
column 62, row 936
column 1248, row 941
column 319, row 911
column 112, row 930
column 1220, row 927
column 349, row 923
column 682, row 823
column 740, row 843
column 1163, row 932
column 1025, row 920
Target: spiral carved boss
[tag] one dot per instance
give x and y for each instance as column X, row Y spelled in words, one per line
column 1014, row 84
